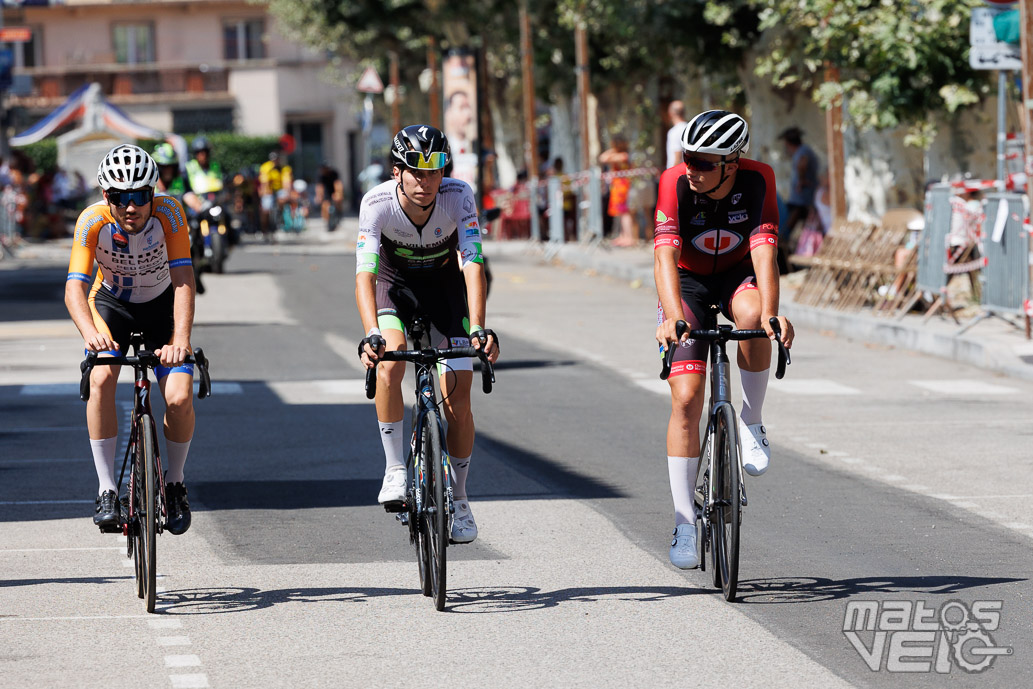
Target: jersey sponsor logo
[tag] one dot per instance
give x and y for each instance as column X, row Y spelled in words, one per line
column 660, row 216
column 737, row 217
column 717, row 241
column 667, row 240
column 735, row 199
column 468, row 205
column 473, row 232
column 469, row 254
column 460, row 341
column 437, row 231
column 699, row 219
column 762, row 239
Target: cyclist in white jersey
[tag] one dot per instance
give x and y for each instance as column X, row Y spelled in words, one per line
column 419, row 252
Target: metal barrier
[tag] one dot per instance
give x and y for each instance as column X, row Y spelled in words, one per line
column 1006, row 261
column 932, row 242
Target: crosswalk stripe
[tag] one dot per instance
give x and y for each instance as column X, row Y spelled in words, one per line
column 962, row 387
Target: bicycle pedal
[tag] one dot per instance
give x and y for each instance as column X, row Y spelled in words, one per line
column 403, row 517
column 113, row 528
column 395, row 506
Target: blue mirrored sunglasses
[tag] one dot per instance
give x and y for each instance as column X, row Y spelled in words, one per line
column 134, row 197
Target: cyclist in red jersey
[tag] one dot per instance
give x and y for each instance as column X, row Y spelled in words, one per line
column 715, row 244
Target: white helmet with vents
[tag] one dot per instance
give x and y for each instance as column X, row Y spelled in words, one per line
column 716, row 131
column 127, row 167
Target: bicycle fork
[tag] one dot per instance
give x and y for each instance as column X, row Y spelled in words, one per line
column 720, row 382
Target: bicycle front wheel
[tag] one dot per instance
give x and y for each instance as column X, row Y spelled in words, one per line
column 436, row 510
column 145, row 504
column 727, row 509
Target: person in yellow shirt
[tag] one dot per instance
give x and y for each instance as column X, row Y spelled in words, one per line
column 275, row 180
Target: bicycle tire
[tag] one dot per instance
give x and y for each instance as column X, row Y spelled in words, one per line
column 416, row 519
column 147, row 511
column 728, row 509
column 437, row 511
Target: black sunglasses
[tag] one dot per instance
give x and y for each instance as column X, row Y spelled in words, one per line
column 700, row 165
column 134, row 197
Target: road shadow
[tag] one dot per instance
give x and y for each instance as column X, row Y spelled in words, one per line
column 36, row 293
column 817, row 589
column 508, row 365
column 523, row 598
column 229, row 599
column 10, row 583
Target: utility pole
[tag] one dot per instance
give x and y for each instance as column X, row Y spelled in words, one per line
column 581, row 58
column 1026, row 45
column 530, row 132
column 396, row 120
column 435, row 92
column 834, row 142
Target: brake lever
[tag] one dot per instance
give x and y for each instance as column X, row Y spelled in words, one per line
column 84, row 384
column 783, row 354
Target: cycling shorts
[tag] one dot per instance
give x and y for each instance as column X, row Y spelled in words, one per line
column 439, row 294
column 699, row 293
column 153, row 319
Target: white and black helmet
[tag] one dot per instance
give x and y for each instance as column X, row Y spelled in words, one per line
column 127, row 167
column 716, row 131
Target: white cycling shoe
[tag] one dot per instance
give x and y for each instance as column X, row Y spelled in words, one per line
column 684, row 553
column 393, row 488
column 756, row 452
column 464, row 528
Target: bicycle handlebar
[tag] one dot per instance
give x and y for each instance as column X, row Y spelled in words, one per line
column 724, row 335
column 143, row 358
column 430, row 356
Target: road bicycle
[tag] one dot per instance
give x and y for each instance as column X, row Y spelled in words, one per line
column 143, row 506
column 720, row 492
column 428, row 508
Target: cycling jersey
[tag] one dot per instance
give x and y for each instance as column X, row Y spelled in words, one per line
column 204, row 181
column 132, row 267
column 715, row 235
column 386, row 234
column 272, row 175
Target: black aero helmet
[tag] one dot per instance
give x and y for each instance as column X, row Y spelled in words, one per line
column 716, row 131
column 421, row 147
column 200, row 144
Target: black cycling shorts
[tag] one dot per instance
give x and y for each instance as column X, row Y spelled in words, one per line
column 153, row 319
column 440, row 295
column 699, row 293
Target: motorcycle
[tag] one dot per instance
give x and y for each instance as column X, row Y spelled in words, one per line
column 213, row 235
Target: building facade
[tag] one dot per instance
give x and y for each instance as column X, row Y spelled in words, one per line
column 185, row 66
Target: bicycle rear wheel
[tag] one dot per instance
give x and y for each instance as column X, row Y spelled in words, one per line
column 145, row 504
column 436, row 510
column 727, row 509
column 417, row 529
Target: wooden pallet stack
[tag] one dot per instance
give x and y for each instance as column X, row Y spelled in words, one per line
column 853, row 262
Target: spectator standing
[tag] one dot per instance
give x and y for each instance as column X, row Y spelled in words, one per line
column 618, row 159
column 329, row 195
column 803, row 184
column 676, row 111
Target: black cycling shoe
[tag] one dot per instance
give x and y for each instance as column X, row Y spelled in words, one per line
column 178, row 509
column 108, row 515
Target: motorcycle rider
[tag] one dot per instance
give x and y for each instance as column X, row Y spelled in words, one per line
column 172, row 182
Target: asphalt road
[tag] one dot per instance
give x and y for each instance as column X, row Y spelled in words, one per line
column 898, row 481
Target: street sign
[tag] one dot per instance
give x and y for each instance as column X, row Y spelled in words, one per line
column 987, row 52
column 15, row 34
column 370, row 82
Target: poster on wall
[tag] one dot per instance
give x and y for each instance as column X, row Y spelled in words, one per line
column 459, row 73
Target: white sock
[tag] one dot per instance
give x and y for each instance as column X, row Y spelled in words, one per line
column 104, row 462
column 754, row 387
column 176, row 459
column 460, row 469
column 682, row 472
column 392, row 440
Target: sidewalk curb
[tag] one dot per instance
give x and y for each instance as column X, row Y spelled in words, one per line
column 986, row 353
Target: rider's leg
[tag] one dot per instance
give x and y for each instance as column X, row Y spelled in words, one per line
column 102, row 423
column 177, row 388
column 455, row 387
column 754, row 356
column 389, row 402
column 683, row 446
column 754, row 359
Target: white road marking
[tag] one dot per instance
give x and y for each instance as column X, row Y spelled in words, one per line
column 59, row 389
column 47, row 502
column 812, row 386
column 44, row 461
column 163, row 623
column 347, row 391
column 173, row 640
column 194, row 681
column 983, row 497
column 75, row 619
column 45, row 429
column 223, row 388
column 56, row 550
column 962, row 387
column 189, row 660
